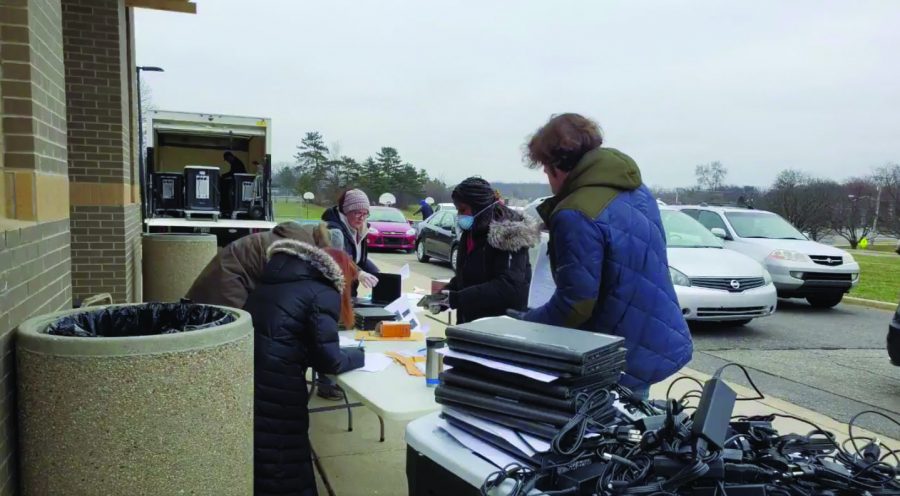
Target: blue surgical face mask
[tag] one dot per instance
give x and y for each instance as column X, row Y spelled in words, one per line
column 465, row 222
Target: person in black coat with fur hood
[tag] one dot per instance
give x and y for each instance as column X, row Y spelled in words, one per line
column 296, row 306
column 493, row 271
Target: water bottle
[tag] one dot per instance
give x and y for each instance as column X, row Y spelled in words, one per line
column 434, row 361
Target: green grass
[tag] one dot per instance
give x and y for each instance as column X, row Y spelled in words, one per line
column 883, row 247
column 295, row 210
column 879, row 278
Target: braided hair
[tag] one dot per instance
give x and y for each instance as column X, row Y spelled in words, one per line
column 479, row 194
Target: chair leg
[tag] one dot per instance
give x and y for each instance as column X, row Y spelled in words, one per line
column 381, row 421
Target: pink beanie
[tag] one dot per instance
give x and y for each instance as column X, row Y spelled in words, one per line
column 354, row 200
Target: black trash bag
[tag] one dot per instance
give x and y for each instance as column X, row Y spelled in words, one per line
column 140, row 320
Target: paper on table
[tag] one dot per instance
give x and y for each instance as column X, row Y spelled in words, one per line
column 414, row 299
column 344, row 341
column 494, row 455
column 376, row 362
column 404, row 311
column 505, row 433
column 506, row 367
column 404, row 272
column 542, row 284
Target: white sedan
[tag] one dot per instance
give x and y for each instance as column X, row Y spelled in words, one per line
column 711, row 283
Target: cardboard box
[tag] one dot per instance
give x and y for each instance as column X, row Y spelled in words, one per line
column 388, row 329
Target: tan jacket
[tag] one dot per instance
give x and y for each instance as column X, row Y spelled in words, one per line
column 230, row 277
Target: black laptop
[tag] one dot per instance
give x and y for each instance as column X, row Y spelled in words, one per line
column 388, row 289
column 578, row 348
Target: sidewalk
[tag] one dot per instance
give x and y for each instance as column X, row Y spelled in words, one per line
column 355, row 463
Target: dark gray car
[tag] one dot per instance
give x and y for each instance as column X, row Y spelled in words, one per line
column 438, row 238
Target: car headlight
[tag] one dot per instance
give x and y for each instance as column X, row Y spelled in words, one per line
column 767, row 278
column 678, row 277
column 372, row 230
column 411, row 232
column 848, row 258
column 790, row 255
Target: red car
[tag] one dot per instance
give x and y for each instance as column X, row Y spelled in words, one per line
column 389, row 229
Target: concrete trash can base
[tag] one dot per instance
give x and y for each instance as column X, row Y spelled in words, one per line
column 171, row 263
column 147, row 414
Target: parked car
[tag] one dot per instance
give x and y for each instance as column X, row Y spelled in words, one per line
column 712, row 283
column 893, row 338
column 438, row 238
column 799, row 267
column 389, row 229
column 444, row 206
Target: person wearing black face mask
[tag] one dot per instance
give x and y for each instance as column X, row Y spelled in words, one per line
column 493, row 271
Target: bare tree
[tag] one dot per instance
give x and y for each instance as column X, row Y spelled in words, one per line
column 804, row 201
column 887, row 179
column 147, row 108
column 711, row 176
column 853, row 215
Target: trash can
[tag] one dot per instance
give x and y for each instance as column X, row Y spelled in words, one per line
column 171, row 262
column 136, row 399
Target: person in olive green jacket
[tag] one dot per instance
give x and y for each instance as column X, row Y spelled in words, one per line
column 607, row 251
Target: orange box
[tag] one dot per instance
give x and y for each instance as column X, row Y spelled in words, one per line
column 390, row 329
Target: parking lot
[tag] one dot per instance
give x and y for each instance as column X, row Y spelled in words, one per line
column 830, row 361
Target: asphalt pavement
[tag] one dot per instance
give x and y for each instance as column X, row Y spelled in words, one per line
column 830, row 361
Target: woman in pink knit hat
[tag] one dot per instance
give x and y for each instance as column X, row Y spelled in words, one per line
column 348, row 223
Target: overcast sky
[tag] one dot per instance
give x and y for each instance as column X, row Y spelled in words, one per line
column 457, row 87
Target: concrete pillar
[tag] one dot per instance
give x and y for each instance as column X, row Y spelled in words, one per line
column 104, row 196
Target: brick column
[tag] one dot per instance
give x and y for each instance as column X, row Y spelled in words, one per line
column 34, row 195
column 105, row 203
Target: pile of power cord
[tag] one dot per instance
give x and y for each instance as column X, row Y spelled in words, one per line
column 695, row 446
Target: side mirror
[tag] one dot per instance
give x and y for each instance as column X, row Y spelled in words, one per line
column 719, row 232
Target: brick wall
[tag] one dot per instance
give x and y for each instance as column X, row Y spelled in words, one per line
column 34, row 226
column 106, row 234
column 34, row 280
column 99, row 87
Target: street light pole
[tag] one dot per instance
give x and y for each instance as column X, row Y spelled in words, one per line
column 141, row 169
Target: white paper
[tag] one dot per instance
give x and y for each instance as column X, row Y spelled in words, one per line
column 414, row 298
column 542, row 284
column 496, row 456
column 376, row 362
column 344, row 341
column 404, row 272
column 201, row 187
column 503, row 432
column 404, row 311
column 506, row 367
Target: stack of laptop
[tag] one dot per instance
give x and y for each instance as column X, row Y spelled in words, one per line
column 509, row 380
column 368, row 312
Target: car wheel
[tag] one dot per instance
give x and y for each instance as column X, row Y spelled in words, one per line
column 420, row 252
column 453, row 257
column 825, row 301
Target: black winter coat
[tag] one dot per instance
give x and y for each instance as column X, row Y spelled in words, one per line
column 496, row 276
column 295, row 308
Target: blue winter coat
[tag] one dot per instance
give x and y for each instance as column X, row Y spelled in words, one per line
column 608, row 256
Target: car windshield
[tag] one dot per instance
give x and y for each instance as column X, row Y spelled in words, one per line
column 682, row 231
column 386, row 215
column 762, row 225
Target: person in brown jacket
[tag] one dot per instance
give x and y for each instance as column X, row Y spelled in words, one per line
column 232, row 274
